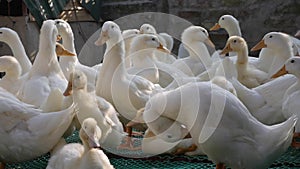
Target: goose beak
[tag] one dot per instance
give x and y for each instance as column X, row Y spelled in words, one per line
column 209, row 43
column 61, row 51
column 163, row 49
column 102, row 39
column 93, row 142
column 281, row 72
column 226, row 50
column 215, row 27
column 138, row 118
column 68, row 91
column 58, row 38
column 258, row 46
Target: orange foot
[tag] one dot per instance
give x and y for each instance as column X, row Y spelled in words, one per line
column 128, row 145
column 294, row 142
column 2, row 165
column 191, row 148
column 220, row 166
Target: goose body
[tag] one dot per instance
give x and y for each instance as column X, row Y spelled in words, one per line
column 27, row 132
column 221, row 125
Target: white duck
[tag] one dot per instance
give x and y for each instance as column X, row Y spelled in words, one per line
column 199, row 58
column 221, row 125
column 247, row 75
column 78, row 156
column 27, row 132
column 11, row 37
column 45, row 74
column 281, row 46
column 68, row 64
column 290, row 104
column 128, row 35
column 89, row 105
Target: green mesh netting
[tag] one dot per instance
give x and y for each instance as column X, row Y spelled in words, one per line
column 289, row 160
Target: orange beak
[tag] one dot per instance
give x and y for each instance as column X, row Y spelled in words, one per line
column 215, row 27
column 61, row 51
column 68, row 91
column 281, row 72
column 163, row 49
column 58, row 38
column 226, row 50
column 260, row 45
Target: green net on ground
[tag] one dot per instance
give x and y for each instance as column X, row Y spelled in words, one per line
column 289, row 160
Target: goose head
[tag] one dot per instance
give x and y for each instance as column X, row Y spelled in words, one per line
column 147, row 41
column 7, row 35
column 64, row 28
column 49, row 32
column 90, row 133
column 228, row 22
column 275, row 41
column 292, row 66
column 147, row 29
column 110, row 33
column 77, row 81
column 10, row 65
column 130, row 33
column 194, row 34
column 234, row 44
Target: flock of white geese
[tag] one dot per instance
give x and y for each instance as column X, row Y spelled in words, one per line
column 240, row 111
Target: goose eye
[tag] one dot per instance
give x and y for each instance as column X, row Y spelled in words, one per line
column 112, row 27
column 147, row 28
column 222, row 18
column 234, row 41
column 1, row 32
column 292, row 61
column 203, row 31
column 270, row 36
column 153, row 39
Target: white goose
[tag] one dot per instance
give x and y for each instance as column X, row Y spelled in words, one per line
column 247, row 75
column 11, row 37
column 11, row 81
column 164, row 38
column 221, row 125
column 199, row 58
column 68, row 64
column 231, row 25
column 290, row 104
column 128, row 93
column 281, row 46
column 89, row 105
column 27, row 132
column 78, row 156
column 142, row 51
column 45, row 73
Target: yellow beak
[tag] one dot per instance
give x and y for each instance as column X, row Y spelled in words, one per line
column 61, row 51
column 226, row 50
column 163, row 49
column 68, row 90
